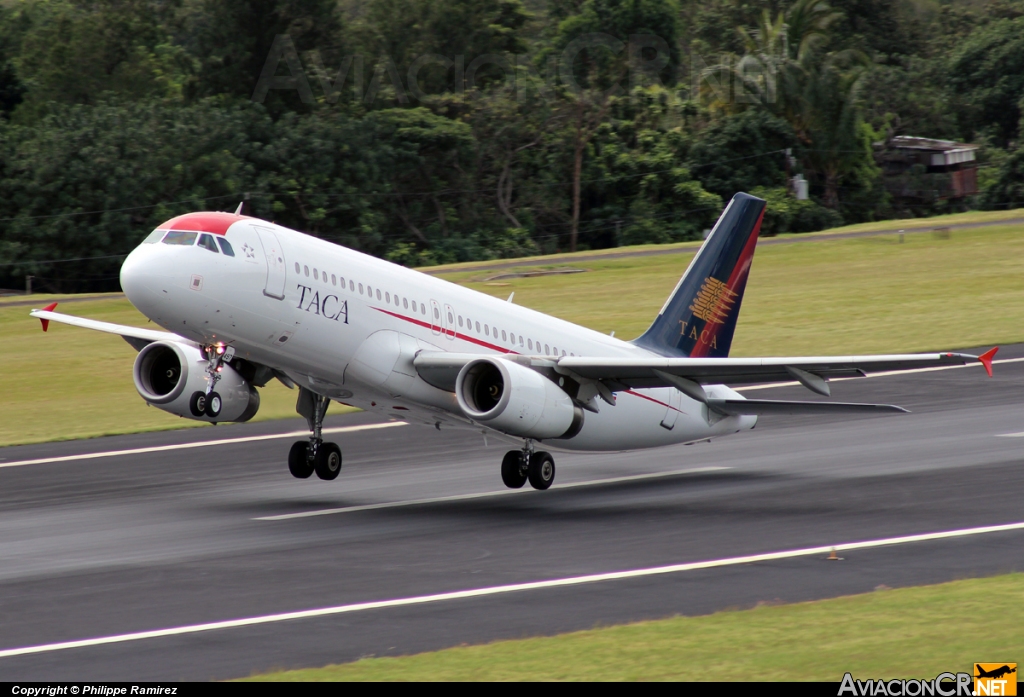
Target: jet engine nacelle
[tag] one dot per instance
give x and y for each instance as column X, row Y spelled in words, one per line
column 168, row 373
column 514, row 399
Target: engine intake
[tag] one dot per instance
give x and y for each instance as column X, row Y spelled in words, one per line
column 516, row 400
column 168, row 373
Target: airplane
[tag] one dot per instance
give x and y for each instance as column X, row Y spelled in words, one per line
column 995, row 673
column 245, row 301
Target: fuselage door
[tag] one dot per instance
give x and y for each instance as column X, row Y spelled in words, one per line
column 277, row 270
column 449, row 321
column 435, row 317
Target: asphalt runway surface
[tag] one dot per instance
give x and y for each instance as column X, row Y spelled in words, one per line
column 173, row 538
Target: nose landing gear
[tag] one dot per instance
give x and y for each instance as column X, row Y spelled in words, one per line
column 314, row 455
column 209, row 402
column 520, row 466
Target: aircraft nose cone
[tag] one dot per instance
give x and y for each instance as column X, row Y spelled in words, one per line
column 135, row 272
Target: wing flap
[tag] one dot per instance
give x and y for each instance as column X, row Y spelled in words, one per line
column 758, row 407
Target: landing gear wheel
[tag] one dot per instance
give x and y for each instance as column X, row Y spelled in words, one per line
column 197, row 404
column 213, row 405
column 541, row 470
column 327, row 461
column 511, row 470
column 298, row 460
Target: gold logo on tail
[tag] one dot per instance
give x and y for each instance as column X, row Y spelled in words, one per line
column 713, row 302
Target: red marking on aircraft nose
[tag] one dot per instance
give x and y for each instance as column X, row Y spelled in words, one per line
column 214, row 222
column 46, row 322
column 986, row 359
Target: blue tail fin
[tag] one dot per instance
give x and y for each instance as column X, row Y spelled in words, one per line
column 699, row 317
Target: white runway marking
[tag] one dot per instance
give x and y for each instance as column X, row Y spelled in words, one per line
column 483, row 495
column 198, row 444
column 501, row 590
column 1011, row 435
column 882, row 374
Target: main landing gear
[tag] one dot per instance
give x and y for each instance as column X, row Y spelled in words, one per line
column 518, row 466
column 307, row 457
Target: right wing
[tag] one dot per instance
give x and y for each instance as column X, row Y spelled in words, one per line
column 137, row 337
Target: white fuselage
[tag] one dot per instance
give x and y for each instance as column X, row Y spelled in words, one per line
column 346, row 325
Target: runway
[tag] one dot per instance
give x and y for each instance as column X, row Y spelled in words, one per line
column 417, row 546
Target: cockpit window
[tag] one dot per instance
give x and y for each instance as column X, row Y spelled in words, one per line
column 153, row 237
column 225, row 246
column 206, row 242
column 185, row 239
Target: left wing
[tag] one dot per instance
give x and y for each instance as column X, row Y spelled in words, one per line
column 601, row 377
column 810, row 371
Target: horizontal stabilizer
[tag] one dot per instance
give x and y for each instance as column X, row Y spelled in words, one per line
column 737, row 407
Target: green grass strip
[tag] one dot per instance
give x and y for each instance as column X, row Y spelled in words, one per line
column 909, row 632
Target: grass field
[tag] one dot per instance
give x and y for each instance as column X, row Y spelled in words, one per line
column 910, row 632
column 830, row 296
column 909, row 225
column 862, row 295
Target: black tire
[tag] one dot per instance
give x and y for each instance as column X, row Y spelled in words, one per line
column 327, row 462
column 511, row 473
column 542, row 470
column 197, row 404
column 214, row 403
column 298, row 460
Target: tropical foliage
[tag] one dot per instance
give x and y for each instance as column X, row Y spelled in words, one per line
column 431, row 131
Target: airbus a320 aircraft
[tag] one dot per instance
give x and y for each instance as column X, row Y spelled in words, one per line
column 245, row 301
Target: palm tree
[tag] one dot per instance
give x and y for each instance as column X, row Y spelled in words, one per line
column 787, row 70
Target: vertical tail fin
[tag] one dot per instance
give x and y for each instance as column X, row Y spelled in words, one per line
column 699, row 318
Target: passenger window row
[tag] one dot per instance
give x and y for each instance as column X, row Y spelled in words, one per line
column 339, row 281
column 506, row 337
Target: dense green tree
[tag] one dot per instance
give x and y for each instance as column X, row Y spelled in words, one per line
column 986, row 81
column 11, row 89
column 438, row 42
column 643, row 192
column 91, row 181
column 117, row 114
column 597, row 55
column 233, row 40
column 907, row 97
column 880, row 27
column 1008, row 189
column 743, row 151
column 73, row 52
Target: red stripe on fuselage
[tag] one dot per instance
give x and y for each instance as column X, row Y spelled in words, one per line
column 656, row 401
column 431, row 327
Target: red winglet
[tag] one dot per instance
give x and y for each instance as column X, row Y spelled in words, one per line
column 986, row 359
column 46, row 322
